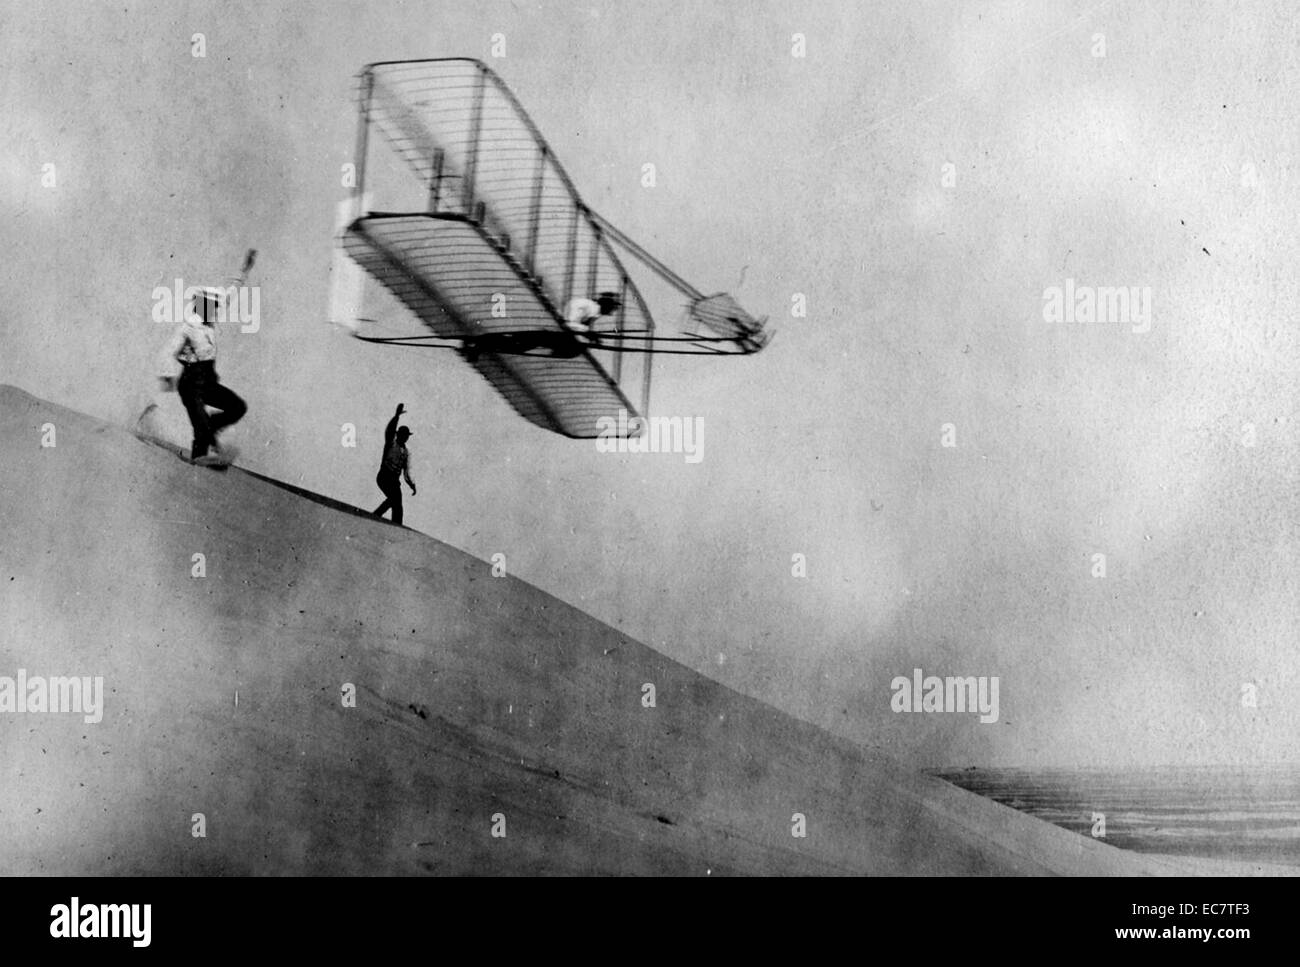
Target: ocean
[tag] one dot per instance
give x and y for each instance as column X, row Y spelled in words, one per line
column 1249, row 813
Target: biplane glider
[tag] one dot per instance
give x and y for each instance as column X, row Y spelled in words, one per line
column 470, row 223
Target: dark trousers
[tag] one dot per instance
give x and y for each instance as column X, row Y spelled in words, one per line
column 391, row 485
column 199, row 389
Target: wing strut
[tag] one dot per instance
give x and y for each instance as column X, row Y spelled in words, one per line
column 663, row 271
column 719, row 313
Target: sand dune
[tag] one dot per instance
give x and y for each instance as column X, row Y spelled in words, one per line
column 476, row 696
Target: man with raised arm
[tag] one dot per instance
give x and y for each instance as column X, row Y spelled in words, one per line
column 396, row 465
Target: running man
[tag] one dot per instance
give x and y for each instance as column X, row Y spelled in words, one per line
column 194, row 347
column 396, row 464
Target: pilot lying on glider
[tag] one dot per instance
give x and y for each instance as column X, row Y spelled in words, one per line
column 584, row 315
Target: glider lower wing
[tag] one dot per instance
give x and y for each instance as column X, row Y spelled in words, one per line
column 448, row 271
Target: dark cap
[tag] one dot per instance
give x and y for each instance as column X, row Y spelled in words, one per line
column 403, row 432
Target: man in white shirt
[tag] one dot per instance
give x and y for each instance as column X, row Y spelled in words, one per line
column 586, row 315
column 582, row 317
column 194, row 347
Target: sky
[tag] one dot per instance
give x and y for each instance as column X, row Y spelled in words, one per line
column 920, row 175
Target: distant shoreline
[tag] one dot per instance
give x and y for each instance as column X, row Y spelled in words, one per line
column 1237, row 816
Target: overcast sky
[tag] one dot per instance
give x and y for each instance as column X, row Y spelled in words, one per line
column 1159, row 155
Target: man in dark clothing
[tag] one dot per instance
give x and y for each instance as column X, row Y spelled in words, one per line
column 396, row 464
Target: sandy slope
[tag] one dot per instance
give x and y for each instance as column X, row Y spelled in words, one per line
column 476, row 695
